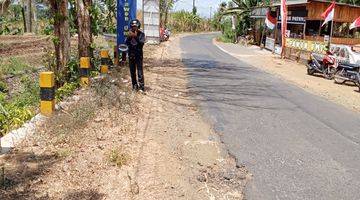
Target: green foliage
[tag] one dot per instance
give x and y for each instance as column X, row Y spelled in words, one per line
column 73, row 69
column 3, row 86
column 14, row 66
column 59, row 17
column 223, row 38
column 73, row 17
column 352, row 2
column 183, row 21
column 29, row 95
column 9, row 26
column 118, row 158
column 165, row 7
column 18, row 109
column 13, row 116
column 48, row 29
column 43, row 11
column 241, row 10
column 10, row 23
column 107, row 17
column 20, row 106
column 73, row 73
column 95, row 14
column 66, row 90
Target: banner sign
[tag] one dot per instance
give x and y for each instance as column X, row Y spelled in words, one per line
column 151, row 11
column 293, row 19
column 270, row 43
column 306, row 45
column 258, row 13
column 345, row 53
column 126, row 11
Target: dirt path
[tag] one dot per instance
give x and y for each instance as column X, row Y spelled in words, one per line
column 346, row 95
column 110, row 143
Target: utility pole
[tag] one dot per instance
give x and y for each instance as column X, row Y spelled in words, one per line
column 194, row 7
column 210, row 12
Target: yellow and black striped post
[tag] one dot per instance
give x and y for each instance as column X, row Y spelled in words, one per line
column 47, row 93
column 85, row 71
column 116, row 56
column 105, row 61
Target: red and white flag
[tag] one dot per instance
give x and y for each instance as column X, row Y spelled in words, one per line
column 270, row 21
column 355, row 24
column 283, row 13
column 328, row 15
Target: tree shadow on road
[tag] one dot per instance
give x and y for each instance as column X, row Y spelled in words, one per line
column 84, row 195
column 22, row 170
column 236, row 87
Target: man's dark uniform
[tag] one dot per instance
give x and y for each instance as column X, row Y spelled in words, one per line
column 135, row 45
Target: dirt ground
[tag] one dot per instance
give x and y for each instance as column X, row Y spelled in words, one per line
column 108, row 142
column 347, row 95
column 29, row 48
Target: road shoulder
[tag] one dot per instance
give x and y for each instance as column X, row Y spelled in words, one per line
column 294, row 73
column 108, row 142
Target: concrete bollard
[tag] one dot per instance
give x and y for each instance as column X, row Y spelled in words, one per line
column 105, row 61
column 47, row 93
column 84, row 71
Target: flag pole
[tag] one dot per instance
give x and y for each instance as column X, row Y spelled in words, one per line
column 331, row 32
column 262, row 35
column 276, row 30
column 332, row 24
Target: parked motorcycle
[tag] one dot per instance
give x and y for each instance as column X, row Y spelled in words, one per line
column 326, row 65
column 346, row 72
column 165, row 34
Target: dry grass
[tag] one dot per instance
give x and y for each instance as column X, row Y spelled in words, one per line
column 64, row 126
column 111, row 92
column 118, row 157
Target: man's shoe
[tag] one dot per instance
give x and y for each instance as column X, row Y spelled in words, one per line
column 142, row 91
column 135, row 87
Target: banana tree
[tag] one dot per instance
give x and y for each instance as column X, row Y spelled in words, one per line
column 165, row 7
column 241, row 9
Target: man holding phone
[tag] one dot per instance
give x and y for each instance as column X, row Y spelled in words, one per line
column 135, row 41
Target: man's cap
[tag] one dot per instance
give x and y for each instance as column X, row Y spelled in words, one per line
column 135, row 22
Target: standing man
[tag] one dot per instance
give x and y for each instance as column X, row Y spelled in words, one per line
column 135, row 41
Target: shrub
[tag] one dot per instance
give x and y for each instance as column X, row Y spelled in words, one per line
column 3, row 87
column 14, row 112
column 14, row 66
column 66, row 90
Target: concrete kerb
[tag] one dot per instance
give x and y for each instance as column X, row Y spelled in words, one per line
column 13, row 138
column 253, row 47
column 10, row 140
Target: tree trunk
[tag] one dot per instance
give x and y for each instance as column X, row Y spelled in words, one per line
column 4, row 5
column 24, row 18
column 84, row 30
column 166, row 15
column 34, row 17
column 28, row 15
column 62, row 38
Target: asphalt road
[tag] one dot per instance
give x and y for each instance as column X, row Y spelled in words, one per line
column 296, row 145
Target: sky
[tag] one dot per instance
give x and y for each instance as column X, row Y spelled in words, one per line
column 203, row 6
